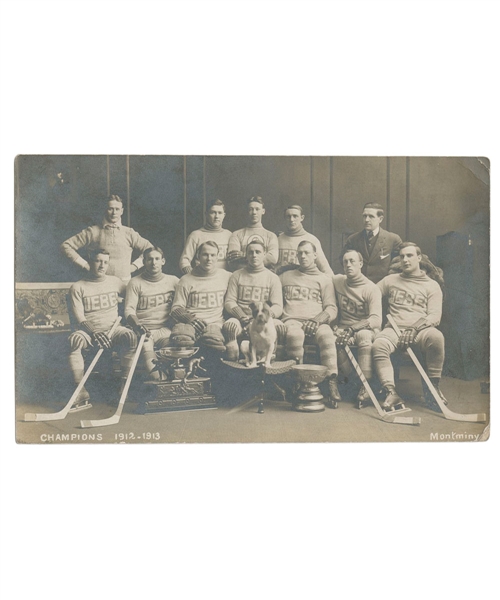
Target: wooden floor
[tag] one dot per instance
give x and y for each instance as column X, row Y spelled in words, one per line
column 278, row 423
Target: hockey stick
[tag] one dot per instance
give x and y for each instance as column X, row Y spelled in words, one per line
column 63, row 412
column 449, row 414
column 116, row 417
column 387, row 417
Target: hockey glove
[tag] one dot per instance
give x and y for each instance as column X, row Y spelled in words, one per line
column 310, row 327
column 344, row 337
column 101, row 339
column 199, row 326
column 407, row 338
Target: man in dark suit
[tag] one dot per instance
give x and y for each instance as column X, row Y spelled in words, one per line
column 377, row 246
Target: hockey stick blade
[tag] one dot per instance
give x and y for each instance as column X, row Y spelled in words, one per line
column 448, row 414
column 114, row 419
column 386, row 417
column 57, row 416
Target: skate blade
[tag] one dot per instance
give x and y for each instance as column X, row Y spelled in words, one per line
column 75, row 409
column 396, row 411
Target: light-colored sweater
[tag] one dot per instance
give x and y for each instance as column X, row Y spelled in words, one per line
column 247, row 286
column 198, row 237
column 288, row 244
column 307, row 294
column 413, row 298
column 358, row 300
column 150, row 301
column 240, row 239
column 96, row 300
column 119, row 241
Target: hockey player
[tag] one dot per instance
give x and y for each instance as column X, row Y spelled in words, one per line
column 415, row 303
column 253, row 283
column 360, row 316
column 377, row 246
column 239, row 240
column 119, row 241
column 94, row 304
column 309, row 308
column 199, row 301
column 294, row 234
column 147, row 305
column 211, row 230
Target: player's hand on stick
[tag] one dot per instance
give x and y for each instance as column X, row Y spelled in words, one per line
column 140, row 330
column 310, row 327
column 407, row 338
column 344, row 337
column 199, row 326
column 102, row 340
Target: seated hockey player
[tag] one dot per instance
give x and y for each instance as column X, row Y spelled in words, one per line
column 289, row 241
column 239, row 240
column 211, row 230
column 94, row 304
column 308, row 309
column 253, row 283
column 360, row 316
column 415, row 303
column 199, row 302
column 147, row 306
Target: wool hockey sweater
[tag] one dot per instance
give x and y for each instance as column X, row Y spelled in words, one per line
column 118, row 240
column 358, row 300
column 150, row 301
column 412, row 298
column 198, row 237
column 288, row 244
column 248, row 285
column 202, row 295
column 307, row 294
column 240, row 239
column 96, row 300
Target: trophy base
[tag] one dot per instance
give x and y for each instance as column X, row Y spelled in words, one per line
column 177, row 395
column 310, row 399
column 309, row 407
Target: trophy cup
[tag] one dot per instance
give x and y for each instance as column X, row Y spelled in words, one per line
column 180, row 386
column 309, row 397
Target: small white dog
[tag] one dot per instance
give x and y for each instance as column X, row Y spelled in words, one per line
column 263, row 335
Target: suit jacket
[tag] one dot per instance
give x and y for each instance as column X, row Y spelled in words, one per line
column 376, row 265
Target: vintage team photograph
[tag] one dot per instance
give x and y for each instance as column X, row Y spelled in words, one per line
column 204, row 299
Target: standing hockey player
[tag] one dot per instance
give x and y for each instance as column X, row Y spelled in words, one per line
column 211, row 230
column 377, row 246
column 253, row 283
column 289, row 241
column 240, row 239
column 360, row 316
column 147, row 305
column 415, row 303
column 94, row 304
column 199, row 302
column 119, row 241
column 309, row 308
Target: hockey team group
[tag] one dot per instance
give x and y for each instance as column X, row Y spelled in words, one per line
column 228, row 276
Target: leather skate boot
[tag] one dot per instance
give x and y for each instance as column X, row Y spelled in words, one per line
column 362, row 398
column 333, row 392
column 429, row 398
column 81, row 402
column 392, row 400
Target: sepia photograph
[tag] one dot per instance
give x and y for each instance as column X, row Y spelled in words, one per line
column 251, row 299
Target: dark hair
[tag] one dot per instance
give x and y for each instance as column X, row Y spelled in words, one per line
column 115, row 198
column 255, row 242
column 216, row 203
column 153, row 249
column 378, row 207
column 360, row 256
column 304, row 242
column 208, row 243
column 296, row 207
column 412, row 245
column 256, row 199
column 94, row 252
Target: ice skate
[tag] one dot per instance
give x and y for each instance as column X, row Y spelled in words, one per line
column 362, row 398
column 333, row 393
column 430, row 402
column 392, row 401
column 82, row 402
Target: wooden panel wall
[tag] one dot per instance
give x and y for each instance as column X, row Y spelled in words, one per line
column 165, row 197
